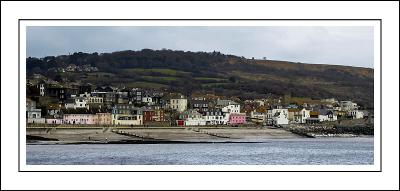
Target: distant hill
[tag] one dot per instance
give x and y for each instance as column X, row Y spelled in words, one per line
column 214, row 72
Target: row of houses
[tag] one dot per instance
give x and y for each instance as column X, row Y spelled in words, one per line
column 284, row 116
column 83, row 104
column 121, row 114
column 224, row 112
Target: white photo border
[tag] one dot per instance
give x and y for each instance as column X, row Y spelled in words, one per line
column 376, row 167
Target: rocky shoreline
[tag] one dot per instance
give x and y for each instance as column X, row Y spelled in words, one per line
column 346, row 129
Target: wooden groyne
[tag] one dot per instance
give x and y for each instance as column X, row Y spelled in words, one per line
column 132, row 134
column 210, row 133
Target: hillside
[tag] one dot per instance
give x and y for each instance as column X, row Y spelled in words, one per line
column 187, row 72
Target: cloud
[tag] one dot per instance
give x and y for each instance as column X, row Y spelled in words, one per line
column 345, row 45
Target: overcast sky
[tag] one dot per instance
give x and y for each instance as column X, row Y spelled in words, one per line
column 352, row 46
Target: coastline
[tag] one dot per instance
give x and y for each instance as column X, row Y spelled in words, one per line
column 165, row 135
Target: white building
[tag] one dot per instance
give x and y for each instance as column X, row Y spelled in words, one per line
column 347, row 105
column 326, row 115
column 127, row 119
column 41, row 89
column 192, row 118
column 33, row 114
column 95, row 100
column 178, row 104
column 355, row 114
column 277, row 116
column 257, row 117
column 228, row 105
column 329, row 100
column 281, row 117
column 215, row 117
column 76, row 103
column 233, row 108
column 148, row 100
column 305, row 114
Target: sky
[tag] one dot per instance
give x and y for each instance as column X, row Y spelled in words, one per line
column 337, row 45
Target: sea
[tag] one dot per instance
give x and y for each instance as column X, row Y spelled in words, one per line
column 304, row 151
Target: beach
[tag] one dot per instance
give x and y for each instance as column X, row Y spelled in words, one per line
column 71, row 135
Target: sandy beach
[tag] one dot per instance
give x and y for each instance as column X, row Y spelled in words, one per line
column 71, row 135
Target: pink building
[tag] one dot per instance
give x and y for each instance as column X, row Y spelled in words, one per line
column 80, row 119
column 103, row 118
column 237, row 118
column 86, row 116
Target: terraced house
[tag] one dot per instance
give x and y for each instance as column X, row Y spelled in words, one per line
column 126, row 114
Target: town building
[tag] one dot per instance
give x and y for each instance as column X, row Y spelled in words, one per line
column 33, row 114
column 295, row 115
column 127, row 119
column 79, row 116
column 52, row 120
column 258, row 115
column 178, row 104
column 277, row 116
column 199, row 104
column 153, row 115
column 191, row 118
column 76, row 103
column 127, row 114
column 215, row 117
column 355, row 114
column 237, row 118
column 314, row 117
column 103, row 118
column 228, row 106
column 280, row 117
column 347, row 105
column 326, row 115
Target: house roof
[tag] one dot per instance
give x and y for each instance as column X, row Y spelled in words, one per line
column 198, row 102
column 70, row 100
column 190, row 112
column 104, row 89
column 84, row 111
column 294, row 109
column 213, row 110
column 314, row 113
column 226, row 102
column 53, row 106
column 261, row 109
column 324, row 112
column 237, row 114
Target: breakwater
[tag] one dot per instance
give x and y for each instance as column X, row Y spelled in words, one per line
column 332, row 129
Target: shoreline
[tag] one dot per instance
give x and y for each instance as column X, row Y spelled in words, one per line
column 172, row 135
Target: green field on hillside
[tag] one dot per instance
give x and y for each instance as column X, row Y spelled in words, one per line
column 167, row 72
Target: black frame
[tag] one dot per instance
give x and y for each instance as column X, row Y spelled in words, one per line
column 19, row 93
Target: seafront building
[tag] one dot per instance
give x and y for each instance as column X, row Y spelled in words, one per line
column 74, row 104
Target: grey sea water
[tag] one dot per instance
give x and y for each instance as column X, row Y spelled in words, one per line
column 322, row 151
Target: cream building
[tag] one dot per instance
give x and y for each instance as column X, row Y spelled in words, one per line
column 178, row 104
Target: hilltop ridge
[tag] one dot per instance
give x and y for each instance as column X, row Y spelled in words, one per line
column 189, row 72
